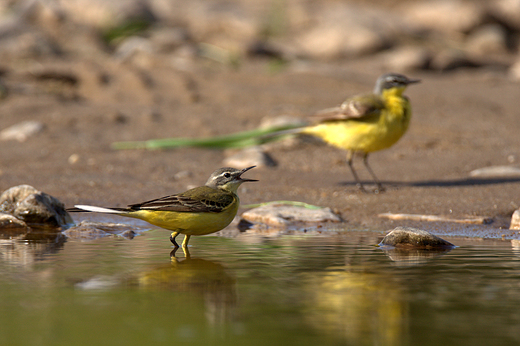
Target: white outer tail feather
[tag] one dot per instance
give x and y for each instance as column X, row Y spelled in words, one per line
column 97, row 209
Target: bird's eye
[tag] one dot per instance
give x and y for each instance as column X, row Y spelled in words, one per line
column 227, row 175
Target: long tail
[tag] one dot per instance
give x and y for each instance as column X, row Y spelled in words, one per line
column 90, row 208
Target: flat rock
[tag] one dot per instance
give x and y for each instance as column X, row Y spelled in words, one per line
column 34, row 207
column 284, row 215
column 413, row 238
column 93, row 230
column 21, row 131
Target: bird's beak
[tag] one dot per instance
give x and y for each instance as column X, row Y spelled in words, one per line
column 243, row 171
column 413, row 81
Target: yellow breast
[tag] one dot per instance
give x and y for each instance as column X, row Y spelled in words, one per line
column 371, row 133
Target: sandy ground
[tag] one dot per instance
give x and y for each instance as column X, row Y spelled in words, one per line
column 462, row 121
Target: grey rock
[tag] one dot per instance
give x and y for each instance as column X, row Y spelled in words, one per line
column 21, row 131
column 34, row 207
column 251, row 156
column 284, row 215
column 87, row 230
column 515, row 220
column 408, row 237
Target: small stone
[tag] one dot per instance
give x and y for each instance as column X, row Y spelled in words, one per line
column 448, row 60
column 169, row 39
column 515, row 220
column 487, row 39
column 284, row 215
column 496, row 171
column 282, row 121
column 182, row 175
column 408, row 237
column 103, row 14
column 73, row 159
column 34, row 207
column 9, row 223
column 94, row 230
column 346, row 30
column 252, row 156
column 133, row 45
column 435, row 15
column 408, row 59
column 21, row 131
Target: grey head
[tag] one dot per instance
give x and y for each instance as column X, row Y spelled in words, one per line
column 228, row 178
column 392, row 80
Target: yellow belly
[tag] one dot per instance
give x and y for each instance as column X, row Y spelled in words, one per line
column 187, row 222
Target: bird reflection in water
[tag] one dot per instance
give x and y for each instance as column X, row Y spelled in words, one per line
column 198, row 277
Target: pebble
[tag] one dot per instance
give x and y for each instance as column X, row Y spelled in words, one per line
column 496, row 171
column 515, row 220
column 251, row 156
column 407, row 58
column 434, row 15
column 348, row 31
column 488, row 39
column 93, row 230
column 451, row 59
column 22, row 131
column 34, row 207
column 413, row 238
column 9, row 222
column 284, row 215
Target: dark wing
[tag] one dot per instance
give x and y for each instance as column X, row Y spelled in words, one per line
column 357, row 107
column 199, row 199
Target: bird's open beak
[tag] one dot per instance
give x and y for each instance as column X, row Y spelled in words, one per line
column 243, row 171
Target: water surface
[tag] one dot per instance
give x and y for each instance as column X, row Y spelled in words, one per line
column 292, row 290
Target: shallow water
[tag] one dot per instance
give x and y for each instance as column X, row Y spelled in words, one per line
column 292, row 290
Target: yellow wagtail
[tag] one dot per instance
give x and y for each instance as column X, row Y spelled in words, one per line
column 198, row 211
column 366, row 123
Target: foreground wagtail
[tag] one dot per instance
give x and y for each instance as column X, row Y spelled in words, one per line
column 365, row 123
column 198, row 211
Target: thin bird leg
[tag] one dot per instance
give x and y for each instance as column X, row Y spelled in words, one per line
column 185, row 242
column 380, row 187
column 172, row 239
column 350, row 159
